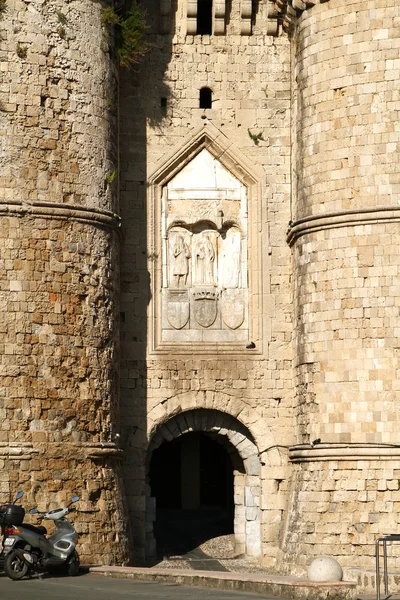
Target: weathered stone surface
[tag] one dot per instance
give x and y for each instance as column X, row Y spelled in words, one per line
column 260, row 340
column 59, row 400
column 346, row 274
column 170, row 366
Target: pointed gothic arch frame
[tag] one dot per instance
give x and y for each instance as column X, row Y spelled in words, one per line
column 222, row 149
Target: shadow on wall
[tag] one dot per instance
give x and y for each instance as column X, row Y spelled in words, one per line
column 143, row 100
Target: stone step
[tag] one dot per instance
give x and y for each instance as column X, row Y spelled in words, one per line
column 282, row 586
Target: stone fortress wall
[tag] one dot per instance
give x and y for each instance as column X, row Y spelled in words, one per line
column 334, row 497
column 344, row 238
column 191, row 353
column 263, row 337
column 59, row 247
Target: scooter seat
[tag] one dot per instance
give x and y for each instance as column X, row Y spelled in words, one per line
column 41, row 530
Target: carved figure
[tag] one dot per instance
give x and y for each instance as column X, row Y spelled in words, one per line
column 231, row 261
column 205, row 257
column 180, row 266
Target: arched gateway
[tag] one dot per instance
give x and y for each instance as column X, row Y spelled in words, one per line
column 204, row 463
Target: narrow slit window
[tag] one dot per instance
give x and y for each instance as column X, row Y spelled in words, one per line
column 204, row 17
column 205, row 97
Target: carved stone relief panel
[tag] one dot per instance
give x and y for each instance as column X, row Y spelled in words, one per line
column 204, row 229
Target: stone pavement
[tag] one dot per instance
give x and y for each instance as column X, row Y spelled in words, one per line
column 96, row 587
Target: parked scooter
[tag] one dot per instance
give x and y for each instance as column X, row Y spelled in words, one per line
column 7, row 513
column 27, row 549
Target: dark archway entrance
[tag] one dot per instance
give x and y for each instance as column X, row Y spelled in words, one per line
column 191, row 479
column 221, row 440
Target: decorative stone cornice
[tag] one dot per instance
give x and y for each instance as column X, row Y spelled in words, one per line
column 219, row 17
column 343, row 452
column 286, row 12
column 17, row 450
column 50, row 210
column 78, row 450
column 348, row 218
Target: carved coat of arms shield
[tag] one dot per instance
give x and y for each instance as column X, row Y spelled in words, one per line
column 232, row 308
column 178, row 309
column 205, row 307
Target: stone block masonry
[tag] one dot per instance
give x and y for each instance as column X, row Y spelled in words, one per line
column 57, row 96
column 330, row 306
column 344, row 237
column 253, row 267
column 250, row 82
column 59, row 245
column 59, row 405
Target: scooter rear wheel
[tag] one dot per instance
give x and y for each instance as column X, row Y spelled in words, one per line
column 14, row 567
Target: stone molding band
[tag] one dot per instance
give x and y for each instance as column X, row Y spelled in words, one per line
column 343, row 452
column 349, row 218
column 297, row 454
column 49, row 210
column 79, row 450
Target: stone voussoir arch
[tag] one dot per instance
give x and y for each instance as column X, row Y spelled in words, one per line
column 238, row 408
column 214, row 422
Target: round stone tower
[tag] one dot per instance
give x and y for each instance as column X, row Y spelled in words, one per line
column 58, row 277
column 345, row 236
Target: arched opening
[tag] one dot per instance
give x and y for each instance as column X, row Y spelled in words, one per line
column 205, row 97
column 191, row 479
column 204, row 17
column 203, row 481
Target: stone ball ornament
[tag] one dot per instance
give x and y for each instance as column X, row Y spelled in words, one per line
column 325, row 568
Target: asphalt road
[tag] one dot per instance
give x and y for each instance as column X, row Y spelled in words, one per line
column 97, row 587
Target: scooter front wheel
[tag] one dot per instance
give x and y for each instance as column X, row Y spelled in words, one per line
column 14, row 566
column 73, row 564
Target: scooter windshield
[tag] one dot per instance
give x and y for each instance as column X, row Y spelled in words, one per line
column 64, row 525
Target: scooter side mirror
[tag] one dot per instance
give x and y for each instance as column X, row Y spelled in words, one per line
column 19, row 495
column 75, row 499
column 33, row 511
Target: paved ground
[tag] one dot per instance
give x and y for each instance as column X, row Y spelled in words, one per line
column 213, row 554
column 96, row 587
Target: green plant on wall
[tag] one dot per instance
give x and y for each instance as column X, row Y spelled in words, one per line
column 62, row 18
column 129, row 31
column 3, row 8
column 109, row 17
column 256, row 137
column 110, row 177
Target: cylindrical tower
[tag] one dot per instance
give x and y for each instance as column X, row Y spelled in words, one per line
column 58, row 268
column 345, row 235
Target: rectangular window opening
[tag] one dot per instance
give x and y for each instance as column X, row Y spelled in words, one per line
column 204, row 17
